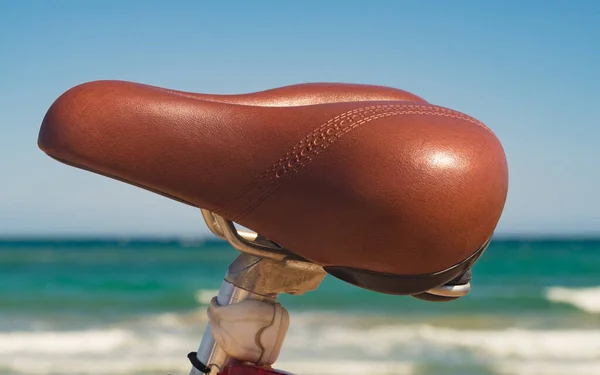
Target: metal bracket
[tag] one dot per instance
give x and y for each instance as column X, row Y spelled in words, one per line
column 254, row 244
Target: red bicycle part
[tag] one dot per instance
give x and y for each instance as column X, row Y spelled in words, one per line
column 241, row 369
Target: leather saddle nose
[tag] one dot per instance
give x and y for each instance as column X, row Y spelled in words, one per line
column 369, row 182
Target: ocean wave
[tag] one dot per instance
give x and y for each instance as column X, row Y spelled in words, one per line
column 585, row 299
column 155, row 365
column 317, row 344
column 548, row 368
column 88, row 342
column 110, row 351
column 171, row 321
column 203, row 296
column 165, row 365
column 390, row 340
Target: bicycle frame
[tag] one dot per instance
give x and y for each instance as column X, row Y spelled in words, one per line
column 247, row 326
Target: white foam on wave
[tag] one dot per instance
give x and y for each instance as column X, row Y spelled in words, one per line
column 95, row 366
column 89, row 342
column 500, row 344
column 163, row 365
column 78, row 342
column 172, row 321
column 110, row 351
column 315, row 345
column 586, row 299
column 120, row 351
column 204, row 296
column 548, row 368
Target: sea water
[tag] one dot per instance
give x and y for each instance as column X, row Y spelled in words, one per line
column 138, row 307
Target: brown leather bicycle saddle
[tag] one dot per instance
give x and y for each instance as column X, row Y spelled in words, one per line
column 383, row 189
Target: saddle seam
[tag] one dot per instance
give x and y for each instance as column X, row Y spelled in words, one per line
column 284, row 159
column 300, row 144
column 320, row 139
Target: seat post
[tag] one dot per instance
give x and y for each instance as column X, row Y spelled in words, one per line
column 209, row 352
column 246, row 312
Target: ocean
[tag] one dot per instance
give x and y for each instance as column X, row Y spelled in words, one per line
column 111, row 307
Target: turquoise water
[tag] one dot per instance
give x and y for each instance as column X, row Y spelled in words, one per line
column 137, row 307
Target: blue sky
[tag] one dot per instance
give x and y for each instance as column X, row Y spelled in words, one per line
column 529, row 70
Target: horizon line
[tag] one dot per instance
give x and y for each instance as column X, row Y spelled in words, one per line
column 212, row 237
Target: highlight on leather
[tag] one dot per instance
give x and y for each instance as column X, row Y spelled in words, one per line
column 363, row 180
